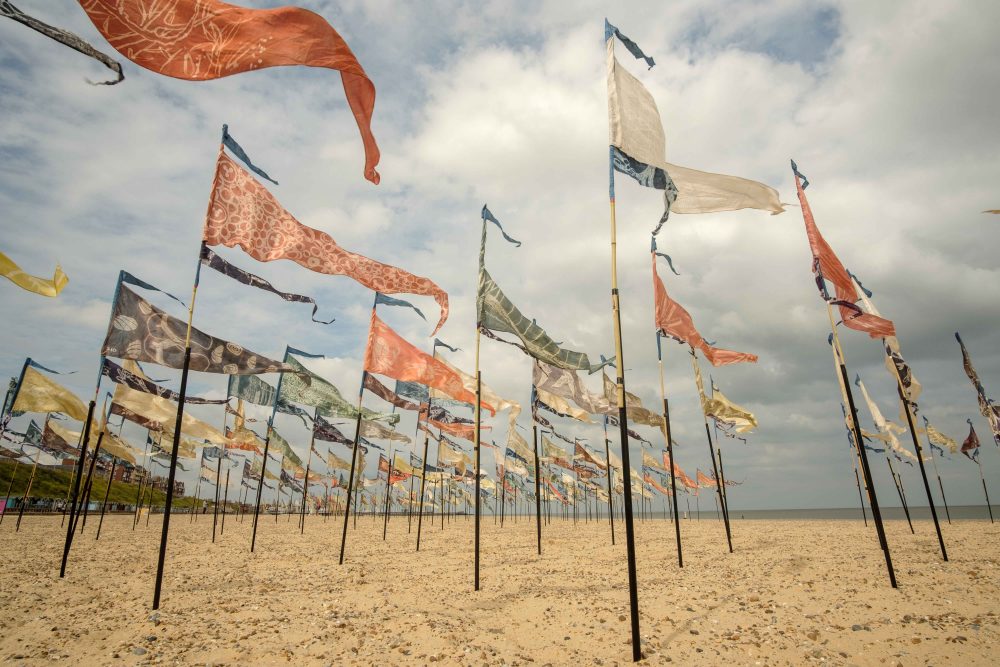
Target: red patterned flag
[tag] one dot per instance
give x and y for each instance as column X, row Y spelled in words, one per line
column 391, row 355
column 206, row 39
column 680, row 474
column 673, row 320
column 827, row 266
column 241, row 212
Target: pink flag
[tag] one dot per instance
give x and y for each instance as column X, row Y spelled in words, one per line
column 827, row 266
column 242, row 212
column 674, row 321
column 206, row 39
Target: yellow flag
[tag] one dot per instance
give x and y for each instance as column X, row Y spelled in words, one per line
column 38, row 393
column 11, row 271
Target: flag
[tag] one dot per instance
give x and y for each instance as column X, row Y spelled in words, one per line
column 450, row 455
column 327, row 432
column 389, row 354
column 213, row 261
column 13, row 273
column 308, row 388
column 729, row 415
column 673, row 320
column 495, row 312
column 241, row 212
column 704, row 481
column 371, row 429
column 337, row 463
column 486, row 393
column 119, row 375
column 64, row 37
column 637, row 413
column 653, row 483
column 39, row 393
column 939, row 439
column 376, row 387
column 198, row 40
column 639, row 150
column 567, row 384
column 971, row 443
column 57, row 439
column 560, row 406
column 649, row 462
column 886, row 428
column 279, row 445
column 679, row 474
column 140, row 331
column 827, row 267
column 986, row 407
column 552, row 453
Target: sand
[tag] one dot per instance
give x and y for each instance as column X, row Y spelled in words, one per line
column 794, row 592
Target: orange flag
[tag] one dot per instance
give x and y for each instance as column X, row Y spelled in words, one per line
column 678, row 473
column 242, row 212
column 671, row 318
column 827, row 266
column 391, row 355
column 207, row 39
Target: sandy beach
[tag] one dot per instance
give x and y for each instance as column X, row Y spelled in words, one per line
column 794, row 592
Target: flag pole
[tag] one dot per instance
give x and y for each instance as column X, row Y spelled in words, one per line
column 388, row 487
column 611, row 469
column 354, row 454
column 218, row 471
column 937, row 473
column 107, row 492
column 305, row 486
column 263, row 465
column 722, row 475
column 479, row 407
column 225, row 501
column 670, row 446
column 899, row 492
column 538, row 485
column 27, row 491
column 85, row 496
column 711, row 455
column 861, row 497
column 633, row 592
column 905, row 401
column 866, row 468
column 985, row 492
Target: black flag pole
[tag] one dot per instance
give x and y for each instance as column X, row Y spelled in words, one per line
column 538, row 484
column 937, row 473
column 633, row 592
column 856, row 427
column 861, row 497
column 670, row 449
column 263, row 465
column 898, row 482
column 611, row 472
column 711, row 455
column 218, row 471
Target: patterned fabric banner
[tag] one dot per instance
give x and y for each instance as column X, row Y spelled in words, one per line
column 307, row 388
column 389, row 354
column 939, row 439
column 39, row 393
column 887, row 429
column 488, row 396
column 243, row 213
column 142, row 332
column 211, row 260
column 376, row 387
column 568, row 385
column 13, row 273
column 327, row 432
column 197, row 40
column 552, row 453
column 826, row 266
column 583, row 454
column 58, row 439
column 971, row 443
column 634, row 408
column 894, row 362
column 371, row 429
column 119, row 375
column 674, row 321
column 252, row 389
column 728, row 414
column 986, row 407
column 497, row 313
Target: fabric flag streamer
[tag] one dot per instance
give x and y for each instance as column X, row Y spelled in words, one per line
column 371, row 429
column 142, row 332
column 64, row 37
column 387, row 353
column 57, row 439
column 886, row 428
column 728, row 414
column 986, row 407
column 497, row 313
column 559, row 405
column 305, row 387
column 337, row 463
column 373, row 385
column 13, row 273
column 583, row 454
column 241, row 212
column 213, row 261
column 38, row 393
column 552, row 453
column 119, row 375
column 568, row 385
column 633, row 404
column 971, row 443
column 197, row 40
column 252, row 389
column 939, row 439
column 671, row 319
column 486, row 393
column 639, row 150
column 827, row 267
column 327, row 432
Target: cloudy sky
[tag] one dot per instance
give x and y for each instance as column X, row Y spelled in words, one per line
column 888, row 107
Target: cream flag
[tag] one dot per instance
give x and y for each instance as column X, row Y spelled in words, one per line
column 650, row 462
column 488, row 396
column 517, row 444
column 721, row 408
column 561, row 405
column 372, row 429
column 567, row 384
column 634, row 408
column 39, row 393
column 886, row 428
column 939, row 438
column 163, row 411
column 637, row 130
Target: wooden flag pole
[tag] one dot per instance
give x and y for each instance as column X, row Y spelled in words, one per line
column 711, row 455
column 937, row 473
column 611, row 469
column 866, row 468
column 27, row 491
column 905, row 402
column 633, row 592
column 670, row 448
column 538, row 486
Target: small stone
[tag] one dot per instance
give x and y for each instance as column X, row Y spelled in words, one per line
column 813, row 635
column 694, row 632
column 621, row 617
column 138, row 650
column 856, row 628
column 915, row 640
